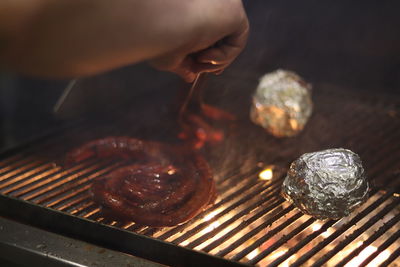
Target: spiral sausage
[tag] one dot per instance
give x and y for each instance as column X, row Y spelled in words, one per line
column 165, row 186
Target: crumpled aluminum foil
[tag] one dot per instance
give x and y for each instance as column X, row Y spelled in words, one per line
column 282, row 103
column 326, row 184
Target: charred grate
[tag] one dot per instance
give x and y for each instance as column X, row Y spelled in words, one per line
column 250, row 223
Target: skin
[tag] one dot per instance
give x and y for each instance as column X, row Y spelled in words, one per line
column 72, row 38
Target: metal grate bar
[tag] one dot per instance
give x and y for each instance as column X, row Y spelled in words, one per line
column 302, row 243
column 362, row 127
column 139, row 228
column 204, row 237
column 356, row 233
column 36, row 179
column 252, row 184
column 238, row 228
column 62, row 206
column 8, row 161
column 282, row 241
column 28, row 154
column 380, row 136
column 388, row 163
column 89, row 206
column 14, row 166
column 66, row 199
column 86, row 209
column 342, row 229
column 78, row 205
column 371, row 239
column 74, row 198
column 384, row 134
column 21, row 169
column 248, row 197
column 248, row 185
column 232, row 179
column 352, row 120
column 260, row 241
column 53, row 183
column 75, row 185
column 381, row 248
column 127, row 225
column 149, row 231
column 256, row 230
column 395, row 254
column 377, row 166
column 23, row 179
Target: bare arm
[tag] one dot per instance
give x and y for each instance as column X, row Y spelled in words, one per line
column 64, row 38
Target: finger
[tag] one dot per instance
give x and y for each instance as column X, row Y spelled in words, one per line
column 185, row 70
column 227, row 49
column 178, row 65
column 199, row 67
column 219, row 72
column 187, row 75
column 218, row 55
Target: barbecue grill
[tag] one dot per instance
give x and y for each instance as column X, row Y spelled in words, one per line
column 45, row 204
column 250, row 222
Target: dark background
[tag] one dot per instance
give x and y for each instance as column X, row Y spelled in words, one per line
column 351, row 44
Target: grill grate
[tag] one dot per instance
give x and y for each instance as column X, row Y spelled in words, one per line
column 250, row 223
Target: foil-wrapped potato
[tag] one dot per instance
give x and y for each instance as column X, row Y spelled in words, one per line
column 326, row 184
column 282, row 103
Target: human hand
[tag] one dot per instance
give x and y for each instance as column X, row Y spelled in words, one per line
column 219, row 33
column 83, row 37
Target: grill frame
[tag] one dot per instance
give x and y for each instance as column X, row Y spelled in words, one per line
column 107, row 236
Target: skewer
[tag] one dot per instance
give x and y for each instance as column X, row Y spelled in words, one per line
column 193, row 95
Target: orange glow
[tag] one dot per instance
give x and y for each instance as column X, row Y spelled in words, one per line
column 380, row 258
column 316, row 227
column 253, row 254
column 212, row 214
column 294, row 124
column 266, row 174
column 171, row 171
column 362, row 256
column 211, row 227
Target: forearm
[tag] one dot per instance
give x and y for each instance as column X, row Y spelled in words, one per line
column 62, row 32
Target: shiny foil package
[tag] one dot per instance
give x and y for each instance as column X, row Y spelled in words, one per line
column 326, row 184
column 282, row 103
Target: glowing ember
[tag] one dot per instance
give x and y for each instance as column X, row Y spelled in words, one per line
column 211, row 227
column 380, row 258
column 266, row 174
column 327, row 233
column 316, row 227
column 171, row 171
column 278, row 254
column 184, row 243
column 253, row 254
column 365, row 253
column 212, row 214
